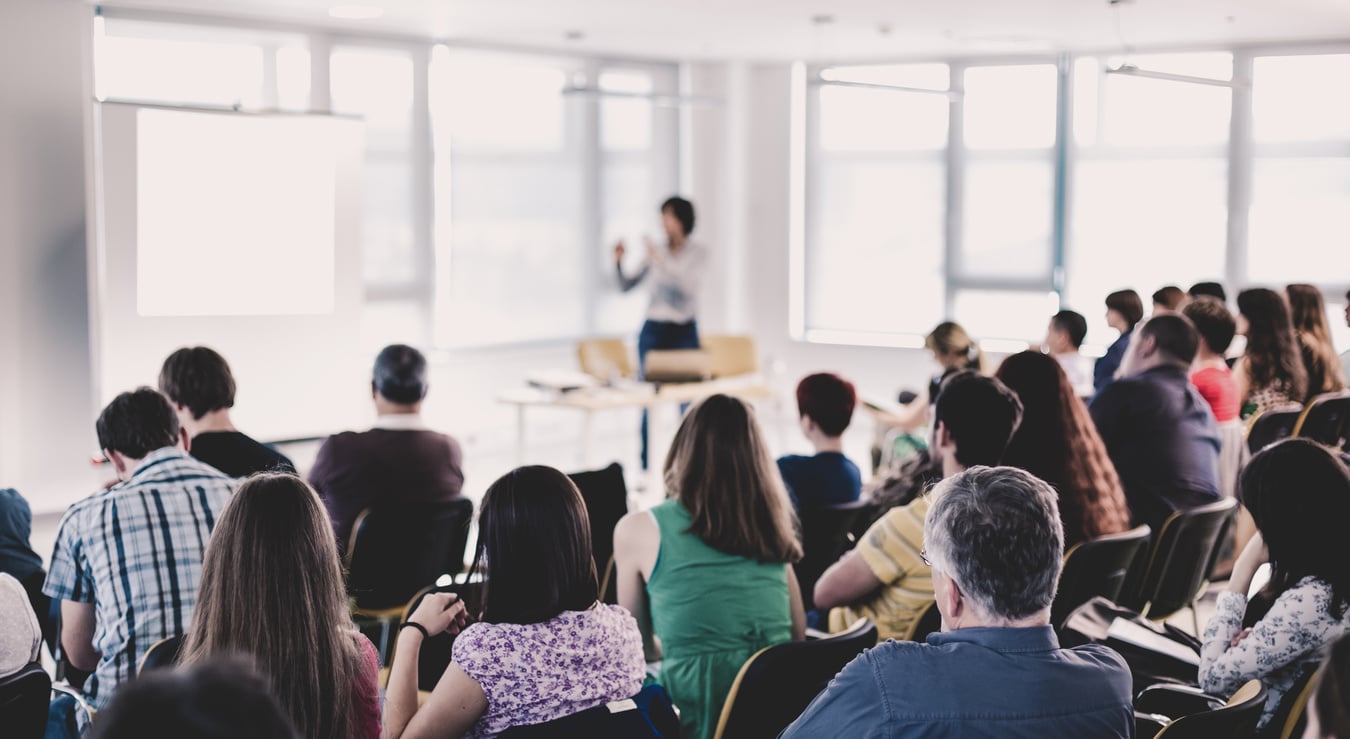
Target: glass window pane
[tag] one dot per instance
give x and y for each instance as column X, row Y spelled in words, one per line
column 1138, row 111
column 1301, row 98
column 1299, row 221
column 1087, row 85
column 922, row 76
column 629, row 210
column 1005, row 314
column 390, row 249
column 857, row 119
column 625, row 123
column 498, row 103
column 180, row 71
column 1011, row 107
column 293, row 72
column 875, row 246
column 376, row 84
column 1008, row 213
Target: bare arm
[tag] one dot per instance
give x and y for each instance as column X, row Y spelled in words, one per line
column 636, row 543
column 457, row 701
column 795, row 607
column 847, row 581
column 1243, row 380
column 913, row 415
column 77, row 635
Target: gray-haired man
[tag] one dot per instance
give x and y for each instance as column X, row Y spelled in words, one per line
column 994, row 540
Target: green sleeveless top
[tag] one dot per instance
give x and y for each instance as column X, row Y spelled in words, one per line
column 711, row 611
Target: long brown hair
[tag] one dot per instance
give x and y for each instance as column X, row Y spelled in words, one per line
column 272, row 590
column 1272, row 351
column 719, row 468
column 1309, row 312
column 1058, row 443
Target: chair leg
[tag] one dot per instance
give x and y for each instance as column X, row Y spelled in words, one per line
column 384, row 640
column 1195, row 617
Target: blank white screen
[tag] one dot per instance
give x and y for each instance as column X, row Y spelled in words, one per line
column 235, row 214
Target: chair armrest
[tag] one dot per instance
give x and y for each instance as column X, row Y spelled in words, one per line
column 66, row 689
column 1148, row 725
column 1175, row 701
column 813, row 634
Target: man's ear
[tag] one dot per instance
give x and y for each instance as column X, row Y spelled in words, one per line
column 1148, row 346
column 374, row 391
column 951, row 604
column 119, row 462
column 941, row 436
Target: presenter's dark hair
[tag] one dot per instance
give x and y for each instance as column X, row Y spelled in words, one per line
column 1127, row 304
column 137, row 423
column 683, row 210
column 199, row 378
column 400, row 374
column 1072, row 323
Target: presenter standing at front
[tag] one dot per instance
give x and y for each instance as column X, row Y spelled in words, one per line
column 676, row 277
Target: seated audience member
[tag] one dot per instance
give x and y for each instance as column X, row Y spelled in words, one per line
column 272, row 589
column 1063, row 339
column 127, row 559
column 884, row 578
column 1159, row 432
column 20, row 635
column 1328, row 713
column 706, row 572
column 1210, row 373
column 399, row 462
column 1211, row 289
column 954, row 350
column 1058, row 443
column 913, row 478
column 825, row 403
column 1298, row 493
column 994, row 539
column 217, row 700
column 543, row 647
column 200, row 385
column 1124, row 310
column 1345, row 356
column 1309, row 313
column 1169, row 299
column 1270, row 373
column 18, row 559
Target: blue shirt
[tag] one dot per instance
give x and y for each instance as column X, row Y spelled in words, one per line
column 985, row 682
column 828, row 478
column 17, row 557
column 1104, row 372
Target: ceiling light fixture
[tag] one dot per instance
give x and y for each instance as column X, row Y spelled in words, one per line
column 356, row 12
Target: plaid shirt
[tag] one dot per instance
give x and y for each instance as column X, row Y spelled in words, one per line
column 135, row 552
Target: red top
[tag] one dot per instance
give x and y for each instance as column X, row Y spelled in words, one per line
column 1217, row 387
column 366, row 692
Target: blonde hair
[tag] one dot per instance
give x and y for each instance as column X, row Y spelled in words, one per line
column 949, row 339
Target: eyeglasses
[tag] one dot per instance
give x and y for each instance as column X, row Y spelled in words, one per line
column 923, row 555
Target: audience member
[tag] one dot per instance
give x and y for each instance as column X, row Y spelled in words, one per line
column 20, row 635
column 1063, row 339
column 127, row 559
column 1210, row 373
column 1323, row 365
column 18, row 559
column 1159, row 432
column 399, row 462
column 723, row 540
column 1058, row 443
column 994, row 539
column 218, row 700
column 200, row 385
column 1270, row 373
column 544, row 647
column 1298, row 493
column 1124, row 310
column 884, row 578
column 825, row 404
column 1169, row 299
column 1211, row 289
column 1328, row 711
column 954, row 350
column 272, row 589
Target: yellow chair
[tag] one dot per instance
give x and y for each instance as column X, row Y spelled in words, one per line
column 605, row 359
column 730, row 356
column 929, row 621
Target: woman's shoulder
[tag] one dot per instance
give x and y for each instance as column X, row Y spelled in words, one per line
column 1311, row 596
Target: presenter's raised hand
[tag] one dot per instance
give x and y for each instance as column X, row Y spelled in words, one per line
column 619, row 252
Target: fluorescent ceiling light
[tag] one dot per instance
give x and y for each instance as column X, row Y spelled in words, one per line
column 1133, row 71
column 356, row 12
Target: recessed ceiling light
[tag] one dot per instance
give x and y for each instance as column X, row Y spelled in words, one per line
column 356, row 12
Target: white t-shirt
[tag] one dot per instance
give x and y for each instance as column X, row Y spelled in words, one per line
column 676, row 281
column 20, row 636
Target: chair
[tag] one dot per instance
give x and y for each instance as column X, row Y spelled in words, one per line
column 647, row 715
column 1326, row 420
column 605, row 359
column 1187, row 713
column 1180, row 560
column 24, row 697
column 1096, row 567
column 161, row 654
column 606, row 496
column 777, row 683
column 1268, row 427
column 825, row 538
column 928, row 622
column 1291, row 716
column 395, row 552
column 730, row 356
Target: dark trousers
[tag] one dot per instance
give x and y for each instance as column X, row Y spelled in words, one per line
column 662, row 335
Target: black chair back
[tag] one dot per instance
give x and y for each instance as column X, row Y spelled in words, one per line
column 1268, row 427
column 24, row 697
column 776, row 685
column 1179, row 562
column 395, row 552
column 647, row 715
column 1327, row 421
column 606, row 496
column 163, row 653
column 1236, row 719
column 825, row 537
column 928, row 622
column 1096, row 567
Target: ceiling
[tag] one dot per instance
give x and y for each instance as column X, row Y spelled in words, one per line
column 785, row 29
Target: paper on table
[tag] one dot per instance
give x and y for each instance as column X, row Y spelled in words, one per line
column 1132, row 633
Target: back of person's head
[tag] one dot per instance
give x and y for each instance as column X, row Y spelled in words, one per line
column 1298, row 493
column 199, row 379
column 1173, row 336
column 1329, row 707
column 981, row 414
column 1309, row 313
column 720, row 470
column 534, row 535
column 1169, row 298
column 1213, row 321
column 137, row 423
column 1211, row 289
column 949, row 339
column 222, row 699
column 1272, row 353
column 1127, row 304
column 400, row 375
column 272, row 588
column 683, row 210
column 1073, row 324
column 996, row 532
column 828, row 400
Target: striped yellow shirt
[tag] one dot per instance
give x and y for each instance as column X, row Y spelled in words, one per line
column 891, row 550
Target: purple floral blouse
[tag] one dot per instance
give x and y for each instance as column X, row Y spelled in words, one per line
column 533, row 673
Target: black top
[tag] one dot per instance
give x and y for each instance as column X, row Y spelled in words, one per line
column 1164, row 442
column 238, row 455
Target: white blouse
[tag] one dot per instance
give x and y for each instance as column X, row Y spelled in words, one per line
column 676, row 281
column 20, row 637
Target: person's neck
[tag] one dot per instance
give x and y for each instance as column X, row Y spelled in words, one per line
column 385, row 408
column 823, row 444
column 1040, row 618
column 677, row 243
column 951, row 467
column 1206, row 359
column 213, row 421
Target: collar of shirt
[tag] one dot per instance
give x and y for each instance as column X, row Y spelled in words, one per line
column 154, row 459
column 1001, row 639
column 400, row 422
